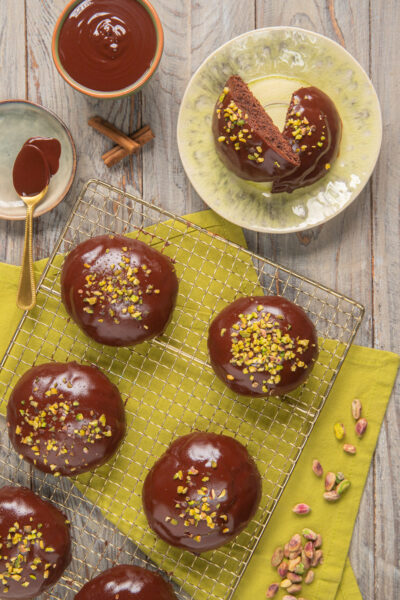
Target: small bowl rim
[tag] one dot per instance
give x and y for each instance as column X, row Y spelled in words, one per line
column 111, row 94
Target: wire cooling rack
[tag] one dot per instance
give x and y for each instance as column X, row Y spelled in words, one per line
column 169, row 389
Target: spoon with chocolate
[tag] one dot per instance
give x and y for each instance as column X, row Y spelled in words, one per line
column 36, row 162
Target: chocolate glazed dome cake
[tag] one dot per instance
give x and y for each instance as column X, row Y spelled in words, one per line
column 246, row 139
column 314, row 129
column 118, row 290
column 35, row 544
column 65, row 418
column 202, row 492
column 127, row 582
column 262, row 346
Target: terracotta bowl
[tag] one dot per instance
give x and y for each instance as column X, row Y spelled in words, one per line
column 136, row 85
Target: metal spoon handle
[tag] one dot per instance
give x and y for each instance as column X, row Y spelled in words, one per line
column 26, row 297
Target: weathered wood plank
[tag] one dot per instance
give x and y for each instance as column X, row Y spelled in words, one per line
column 385, row 19
column 13, row 86
column 339, row 252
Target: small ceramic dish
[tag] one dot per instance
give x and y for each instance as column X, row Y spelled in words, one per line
column 19, row 121
column 275, row 62
column 134, row 86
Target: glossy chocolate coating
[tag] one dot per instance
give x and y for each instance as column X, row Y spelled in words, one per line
column 210, row 474
column 35, row 543
column 237, row 159
column 31, row 174
column 65, row 418
column 51, row 148
column 107, row 309
column 312, row 112
column 281, row 373
column 107, row 45
column 127, row 582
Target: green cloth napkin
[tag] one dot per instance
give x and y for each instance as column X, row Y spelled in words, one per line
column 367, row 374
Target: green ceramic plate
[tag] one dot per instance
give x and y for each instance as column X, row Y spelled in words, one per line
column 274, row 62
column 19, row 121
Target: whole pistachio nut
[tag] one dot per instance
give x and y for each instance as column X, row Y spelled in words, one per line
column 283, row 569
column 299, row 569
column 305, row 561
column 339, row 430
column 331, row 496
column 356, row 409
column 309, row 578
column 295, row 543
column 330, row 481
column 294, row 577
column 309, row 534
column 361, row 427
column 318, row 541
column 301, row 509
column 343, row 486
column 317, row 468
column 339, row 477
column 277, row 556
column 318, row 558
column 349, row 448
column 295, row 588
column 309, row 550
column 272, row 590
column 293, row 563
column 285, row 583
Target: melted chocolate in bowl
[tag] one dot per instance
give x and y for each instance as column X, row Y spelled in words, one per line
column 107, row 45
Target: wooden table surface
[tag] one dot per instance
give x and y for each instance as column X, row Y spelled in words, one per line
column 357, row 253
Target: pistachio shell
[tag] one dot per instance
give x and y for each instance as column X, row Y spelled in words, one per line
column 356, row 409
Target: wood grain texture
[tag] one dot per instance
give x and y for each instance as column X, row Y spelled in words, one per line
column 356, row 253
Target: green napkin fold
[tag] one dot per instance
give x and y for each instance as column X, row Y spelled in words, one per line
column 367, row 374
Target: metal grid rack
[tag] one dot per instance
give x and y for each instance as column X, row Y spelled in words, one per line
column 169, row 388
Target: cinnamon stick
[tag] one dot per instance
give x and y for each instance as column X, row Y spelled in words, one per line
column 109, row 130
column 141, row 137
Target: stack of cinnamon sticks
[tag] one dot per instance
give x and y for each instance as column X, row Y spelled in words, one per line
column 125, row 144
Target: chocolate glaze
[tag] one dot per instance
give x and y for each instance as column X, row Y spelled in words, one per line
column 270, row 165
column 31, row 174
column 51, row 148
column 35, row 543
column 143, row 304
column 231, row 488
column 272, row 314
column 107, row 45
column 311, row 112
column 50, row 407
column 127, row 582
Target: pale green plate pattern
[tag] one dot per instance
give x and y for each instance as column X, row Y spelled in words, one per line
column 274, row 62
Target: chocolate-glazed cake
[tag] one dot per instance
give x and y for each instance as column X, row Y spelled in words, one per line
column 314, row 129
column 246, row 139
column 65, row 418
column 127, row 582
column 202, row 492
column 262, row 346
column 35, row 545
column 119, row 291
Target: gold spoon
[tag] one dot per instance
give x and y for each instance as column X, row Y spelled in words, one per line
column 26, row 297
